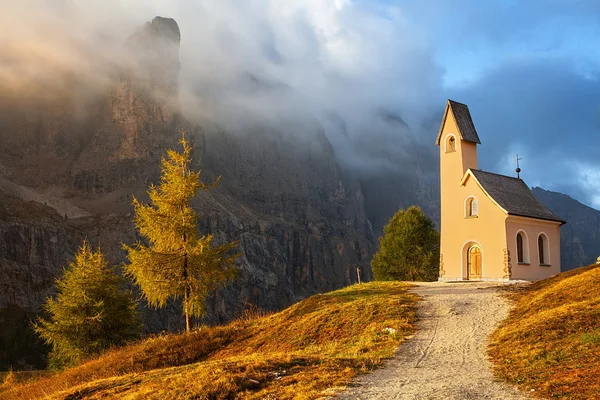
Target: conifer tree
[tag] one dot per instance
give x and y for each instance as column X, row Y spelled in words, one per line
column 409, row 248
column 177, row 263
column 91, row 311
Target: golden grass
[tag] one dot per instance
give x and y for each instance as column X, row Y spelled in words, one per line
column 551, row 340
column 298, row 353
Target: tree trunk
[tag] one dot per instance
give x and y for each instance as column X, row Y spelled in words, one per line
column 186, row 294
column 186, row 291
column 186, row 309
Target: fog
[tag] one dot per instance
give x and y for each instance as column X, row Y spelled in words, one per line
column 339, row 66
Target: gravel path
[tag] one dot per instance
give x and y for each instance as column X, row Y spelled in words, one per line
column 446, row 358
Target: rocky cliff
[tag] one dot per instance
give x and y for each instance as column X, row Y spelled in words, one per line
column 71, row 161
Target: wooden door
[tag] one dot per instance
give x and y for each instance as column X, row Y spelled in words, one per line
column 474, row 262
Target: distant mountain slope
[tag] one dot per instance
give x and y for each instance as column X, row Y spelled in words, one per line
column 580, row 236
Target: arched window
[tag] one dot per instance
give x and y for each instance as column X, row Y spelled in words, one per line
column 543, row 249
column 522, row 248
column 450, row 144
column 472, row 207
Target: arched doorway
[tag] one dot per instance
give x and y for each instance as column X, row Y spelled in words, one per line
column 474, row 262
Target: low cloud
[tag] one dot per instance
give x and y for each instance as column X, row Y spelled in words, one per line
column 342, row 67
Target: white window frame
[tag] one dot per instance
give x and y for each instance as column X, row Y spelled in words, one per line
column 448, row 141
column 467, row 207
column 546, row 248
column 526, row 257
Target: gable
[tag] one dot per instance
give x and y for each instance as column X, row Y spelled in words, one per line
column 464, row 122
column 485, row 200
column 512, row 195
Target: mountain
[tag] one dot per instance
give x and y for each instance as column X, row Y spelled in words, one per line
column 580, row 236
column 73, row 155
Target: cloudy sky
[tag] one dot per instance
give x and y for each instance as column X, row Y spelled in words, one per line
column 374, row 74
column 529, row 71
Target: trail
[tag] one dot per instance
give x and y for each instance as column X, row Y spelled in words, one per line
column 446, row 358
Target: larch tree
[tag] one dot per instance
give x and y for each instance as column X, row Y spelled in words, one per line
column 90, row 313
column 409, row 249
column 177, row 262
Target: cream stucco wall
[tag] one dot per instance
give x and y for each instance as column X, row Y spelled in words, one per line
column 532, row 229
column 459, row 232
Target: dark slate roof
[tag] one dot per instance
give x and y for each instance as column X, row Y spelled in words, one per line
column 514, row 196
column 464, row 122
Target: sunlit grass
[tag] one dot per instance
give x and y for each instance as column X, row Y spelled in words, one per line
column 551, row 340
column 300, row 352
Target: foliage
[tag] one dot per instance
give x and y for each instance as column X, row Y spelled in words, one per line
column 551, row 340
column 177, row 263
column 298, row 353
column 91, row 311
column 409, row 248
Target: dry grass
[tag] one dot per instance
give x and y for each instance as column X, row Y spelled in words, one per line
column 551, row 340
column 319, row 343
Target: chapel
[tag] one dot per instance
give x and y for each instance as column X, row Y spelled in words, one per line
column 493, row 228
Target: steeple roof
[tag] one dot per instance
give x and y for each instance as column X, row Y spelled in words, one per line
column 466, row 128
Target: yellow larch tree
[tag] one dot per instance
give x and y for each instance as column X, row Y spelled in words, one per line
column 177, row 262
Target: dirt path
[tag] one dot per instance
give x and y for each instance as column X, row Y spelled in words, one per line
column 446, row 358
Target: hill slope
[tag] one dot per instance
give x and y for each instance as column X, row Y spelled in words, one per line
column 551, row 340
column 316, row 344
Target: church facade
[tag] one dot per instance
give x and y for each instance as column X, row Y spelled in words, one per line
column 492, row 226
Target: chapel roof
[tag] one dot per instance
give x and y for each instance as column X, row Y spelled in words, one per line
column 465, row 124
column 514, row 196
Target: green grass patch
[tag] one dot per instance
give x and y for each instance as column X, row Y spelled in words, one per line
column 591, row 338
column 300, row 352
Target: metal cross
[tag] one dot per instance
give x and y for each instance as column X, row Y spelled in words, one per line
column 518, row 170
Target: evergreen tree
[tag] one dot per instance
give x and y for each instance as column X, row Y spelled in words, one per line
column 409, row 249
column 90, row 313
column 177, row 263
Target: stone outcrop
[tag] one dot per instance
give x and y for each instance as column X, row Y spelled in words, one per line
column 146, row 93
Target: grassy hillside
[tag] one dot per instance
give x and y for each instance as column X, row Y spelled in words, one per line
column 300, row 352
column 551, row 340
